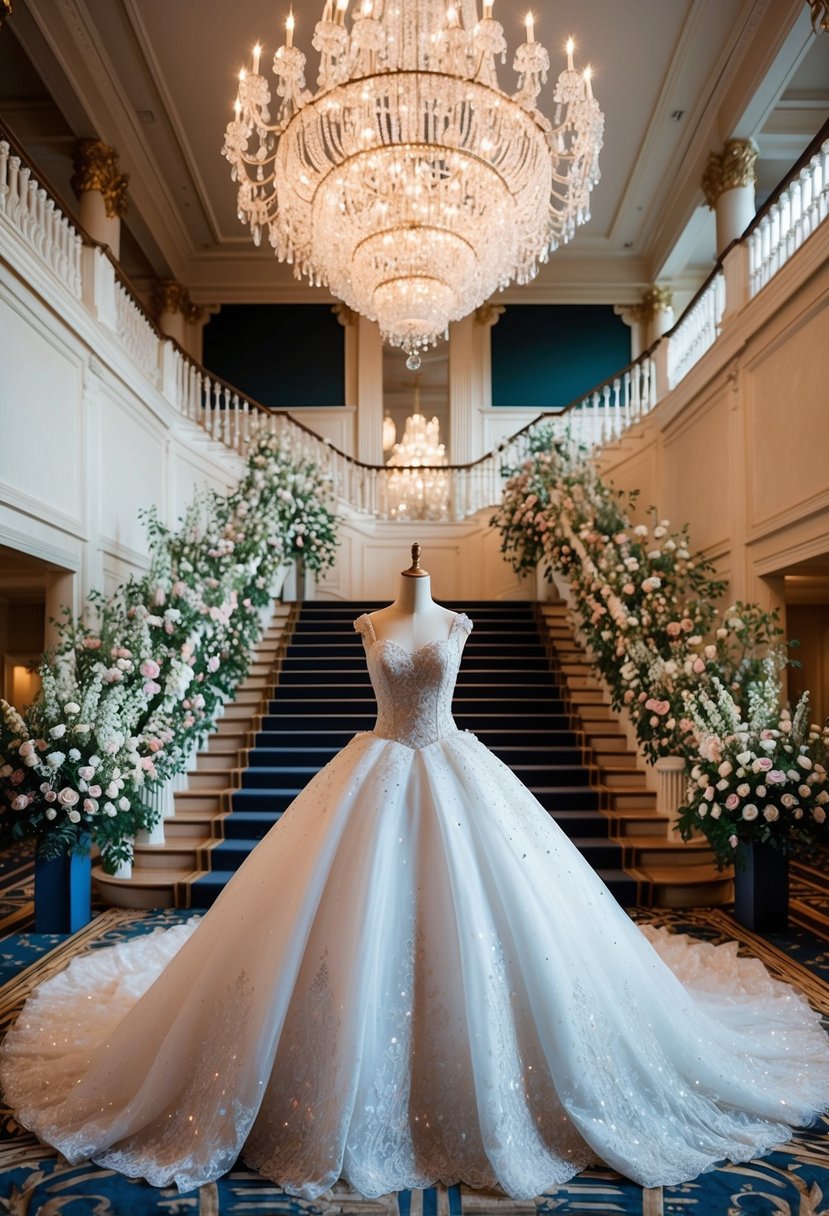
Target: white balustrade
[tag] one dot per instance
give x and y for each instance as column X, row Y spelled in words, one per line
column 29, row 210
column 137, row 335
column 790, row 220
column 228, row 417
column 697, row 331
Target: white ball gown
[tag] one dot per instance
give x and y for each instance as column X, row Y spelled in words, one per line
column 414, row 978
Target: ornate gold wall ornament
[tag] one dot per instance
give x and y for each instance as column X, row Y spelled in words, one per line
column 726, row 170
column 345, row 315
column 96, row 168
column 489, row 314
column 171, row 297
column 820, row 14
column 5, row 10
column 654, row 300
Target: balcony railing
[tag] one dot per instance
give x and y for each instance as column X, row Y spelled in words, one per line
column 89, row 274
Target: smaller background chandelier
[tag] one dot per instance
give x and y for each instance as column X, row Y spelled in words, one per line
column 410, row 183
column 416, row 487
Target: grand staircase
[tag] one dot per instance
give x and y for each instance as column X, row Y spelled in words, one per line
column 525, row 691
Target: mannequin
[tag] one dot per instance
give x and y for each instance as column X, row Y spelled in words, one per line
column 414, row 619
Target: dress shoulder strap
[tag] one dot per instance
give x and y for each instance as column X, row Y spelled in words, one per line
column 462, row 622
column 364, row 626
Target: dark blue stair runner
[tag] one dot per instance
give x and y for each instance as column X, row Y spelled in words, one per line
column 506, row 694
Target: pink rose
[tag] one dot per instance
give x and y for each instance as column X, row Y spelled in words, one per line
column 698, row 666
column 673, row 629
column 213, row 663
column 732, row 802
column 762, row 764
column 150, row 669
column 775, row 777
column 151, row 688
column 92, row 643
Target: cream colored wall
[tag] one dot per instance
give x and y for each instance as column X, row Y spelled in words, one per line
column 740, row 449
column 86, row 440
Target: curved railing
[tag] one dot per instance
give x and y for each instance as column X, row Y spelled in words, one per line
column 228, row 416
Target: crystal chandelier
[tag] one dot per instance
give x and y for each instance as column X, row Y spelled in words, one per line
column 417, row 487
column 410, row 184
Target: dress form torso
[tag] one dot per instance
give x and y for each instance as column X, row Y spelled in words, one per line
column 414, row 619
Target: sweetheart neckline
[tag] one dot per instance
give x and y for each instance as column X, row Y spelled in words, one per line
column 412, row 654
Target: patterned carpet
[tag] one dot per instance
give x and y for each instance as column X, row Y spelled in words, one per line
column 34, row 1182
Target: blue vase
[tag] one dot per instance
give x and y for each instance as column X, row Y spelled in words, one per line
column 761, row 888
column 63, row 893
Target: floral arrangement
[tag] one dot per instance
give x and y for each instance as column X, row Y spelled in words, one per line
column 137, row 682
column 644, row 603
column 761, row 773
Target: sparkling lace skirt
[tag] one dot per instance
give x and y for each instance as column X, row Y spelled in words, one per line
column 414, row 978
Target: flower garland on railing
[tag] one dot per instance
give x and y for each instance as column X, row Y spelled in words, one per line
column 126, row 699
column 645, row 604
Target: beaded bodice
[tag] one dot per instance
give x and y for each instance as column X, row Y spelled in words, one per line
column 414, row 690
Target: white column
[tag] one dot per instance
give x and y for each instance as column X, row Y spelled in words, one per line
column 728, row 184
column 462, row 405
column 369, row 392
column 60, row 593
column 101, row 190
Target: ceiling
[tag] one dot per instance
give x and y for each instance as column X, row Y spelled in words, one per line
column 156, row 80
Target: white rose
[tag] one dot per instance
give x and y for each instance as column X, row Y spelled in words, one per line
column 71, row 707
column 123, row 804
column 818, row 814
column 761, row 791
column 20, row 803
column 722, row 785
column 702, row 810
column 68, row 796
column 30, row 761
column 716, row 811
column 804, row 762
column 750, row 811
column 744, row 790
column 822, row 797
column 57, row 732
column 55, row 759
column 804, row 791
column 94, row 761
column 725, row 768
column 770, row 814
column 87, row 772
column 74, row 816
column 788, row 801
column 744, row 757
column 74, row 754
column 109, row 810
column 51, row 813
column 111, row 790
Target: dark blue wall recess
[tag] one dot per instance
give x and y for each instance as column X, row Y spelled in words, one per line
column 284, row 355
column 546, row 355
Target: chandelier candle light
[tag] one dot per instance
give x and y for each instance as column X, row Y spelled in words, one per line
column 410, row 184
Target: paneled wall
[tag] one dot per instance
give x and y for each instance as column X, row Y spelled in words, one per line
column 740, row 449
column 83, row 446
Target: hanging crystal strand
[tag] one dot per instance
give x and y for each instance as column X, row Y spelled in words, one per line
column 488, row 42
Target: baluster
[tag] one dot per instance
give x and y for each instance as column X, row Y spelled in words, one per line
column 23, row 198
column 216, row 431
column 14, row 187
column 4, row 173
column 32, row 210
column 806, row 201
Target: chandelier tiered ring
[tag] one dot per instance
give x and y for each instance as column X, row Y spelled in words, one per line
column 410, row 184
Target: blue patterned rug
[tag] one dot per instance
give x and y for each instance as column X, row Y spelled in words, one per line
column 35, row 1182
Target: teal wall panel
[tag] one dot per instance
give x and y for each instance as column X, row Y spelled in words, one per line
column 546, row 355
column 284, row 355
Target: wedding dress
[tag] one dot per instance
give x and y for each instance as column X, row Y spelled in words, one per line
column 414, row 978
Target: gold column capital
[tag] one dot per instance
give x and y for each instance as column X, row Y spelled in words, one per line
column 172, row 297
column 345, row 315
column 726, row 170
column 654, row 300
column 5, row 10
column 96, row 168
column 489, row 313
